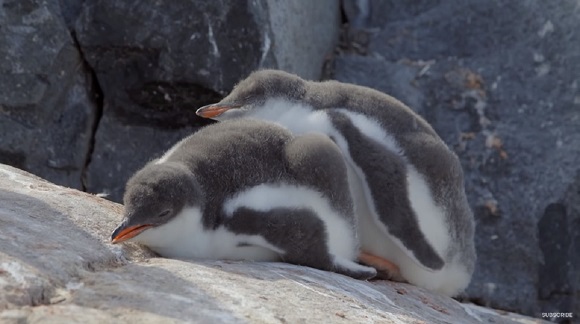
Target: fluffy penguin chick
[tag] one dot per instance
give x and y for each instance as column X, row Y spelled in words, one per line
column 246, row 190
column 407, row 185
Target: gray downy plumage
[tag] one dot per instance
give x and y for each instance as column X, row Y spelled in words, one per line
column 243, row 177
column 411, row 147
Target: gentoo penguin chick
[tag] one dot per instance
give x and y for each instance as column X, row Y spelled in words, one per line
column 406, row 183
column 246, row 190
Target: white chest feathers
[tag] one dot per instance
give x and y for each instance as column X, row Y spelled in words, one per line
column 185, row 238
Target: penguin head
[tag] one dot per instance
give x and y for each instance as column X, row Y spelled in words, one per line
column 154, row 196
column 251, row 94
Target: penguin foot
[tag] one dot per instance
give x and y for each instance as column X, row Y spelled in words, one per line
column 385, row 268
column 353, row 269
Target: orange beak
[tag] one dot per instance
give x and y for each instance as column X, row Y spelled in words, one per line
column 214, row 110
column 122, row 234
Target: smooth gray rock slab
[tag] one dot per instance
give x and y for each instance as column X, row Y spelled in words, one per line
column 46, row 108
column 305, row 33
column 499, row 81
column 56, row 266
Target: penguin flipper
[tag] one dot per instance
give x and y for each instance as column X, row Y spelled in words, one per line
column 385, row 173
column 299, row 236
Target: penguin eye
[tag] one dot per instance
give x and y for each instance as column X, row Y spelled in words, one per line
column 164, row 213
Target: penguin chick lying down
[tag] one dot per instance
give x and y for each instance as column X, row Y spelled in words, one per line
column 414, row 220
column 246, row 190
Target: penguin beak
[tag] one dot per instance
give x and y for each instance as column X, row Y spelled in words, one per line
column 214, row 110
column 124, row 232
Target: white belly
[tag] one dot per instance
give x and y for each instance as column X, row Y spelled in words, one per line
column 184, row 237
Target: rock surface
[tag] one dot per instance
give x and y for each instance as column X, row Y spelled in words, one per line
column 499, row 82
column 46, row 105
column 305, row 33
column 56, row 265
column 84, row 83
column 188, row 53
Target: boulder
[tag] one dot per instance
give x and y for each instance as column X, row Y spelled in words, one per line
column 57, row 265
column 84, row 83
column 499, row 82
column 47, row 108
column 156, row 65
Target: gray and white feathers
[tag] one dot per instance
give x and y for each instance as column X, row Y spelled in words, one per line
column 249, row 190
column 407, row 184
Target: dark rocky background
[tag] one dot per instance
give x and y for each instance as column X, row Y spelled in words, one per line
column 92, row 90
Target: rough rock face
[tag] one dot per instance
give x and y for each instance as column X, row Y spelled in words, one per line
column 46, row 107
column 499, row 82
column 56, row 265
column 157, row 64
column 91, row 90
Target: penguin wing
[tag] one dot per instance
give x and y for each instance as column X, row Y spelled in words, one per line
column 384, row 172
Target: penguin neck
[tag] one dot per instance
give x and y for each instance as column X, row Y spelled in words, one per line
column 180, row 237
column 298, row 116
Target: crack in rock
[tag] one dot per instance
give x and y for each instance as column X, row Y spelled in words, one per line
column 98, row 101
